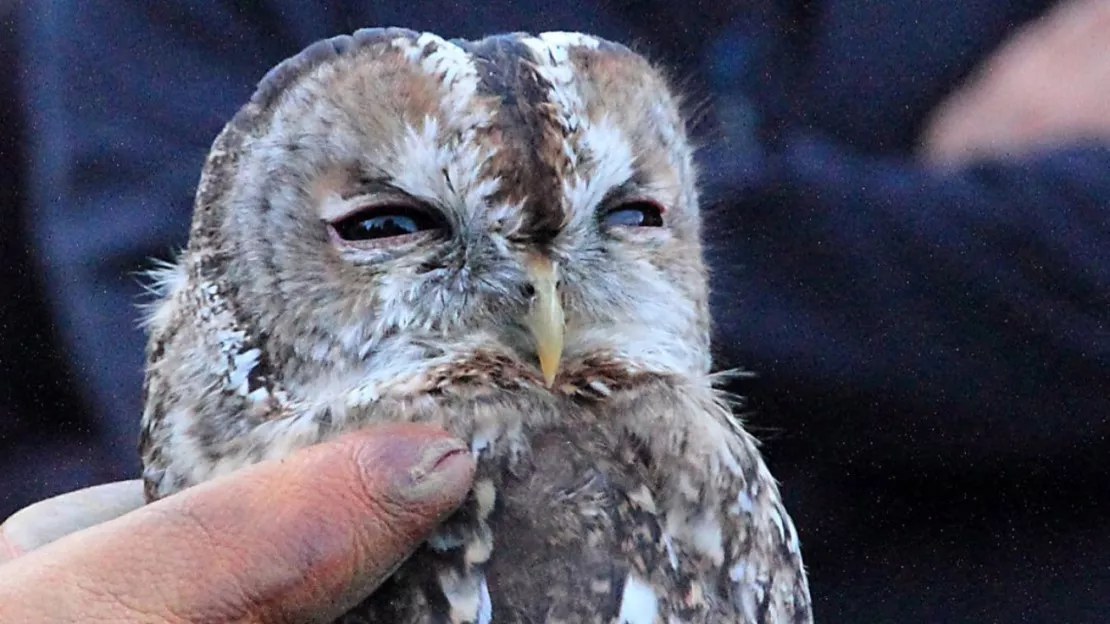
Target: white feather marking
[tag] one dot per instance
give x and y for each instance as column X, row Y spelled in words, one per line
column 743, row 503
column 600, row 388
column 565, row 39
column 166, row 281
column 442, row 172
column 738, row 571
column 702, row 533
column 236, row 361
column 479, row 548
column 241, row 366
column 486, row 497
column 553, row 64
column 776, row 517
column 613, row 152
column 641, row 497
column 671, row 554
column 365, row 394
column 754, row 488
column 709, row 539
column 454, row 66
column 467, row 595
column 485, row 605
column 614, row 166
column 259, row 395
column 748, row 592
column 420, row 153
column 478, row 444
column 639, row 604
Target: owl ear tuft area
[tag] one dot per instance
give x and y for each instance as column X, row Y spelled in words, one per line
column 285, row 73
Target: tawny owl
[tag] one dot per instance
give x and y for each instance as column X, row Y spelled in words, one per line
column 500, row 237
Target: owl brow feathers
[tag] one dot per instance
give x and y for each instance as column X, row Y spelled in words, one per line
column 217, row 176
column 539, row 120
column 528, row 132
column 254, row 117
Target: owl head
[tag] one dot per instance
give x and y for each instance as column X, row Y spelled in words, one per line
column 392, row 194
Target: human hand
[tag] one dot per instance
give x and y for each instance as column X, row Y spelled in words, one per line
column 302, row 539
column 1047, row 86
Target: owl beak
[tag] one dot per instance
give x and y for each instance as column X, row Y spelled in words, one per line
column 545, row 317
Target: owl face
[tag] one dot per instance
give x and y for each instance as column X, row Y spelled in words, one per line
column 532, row 193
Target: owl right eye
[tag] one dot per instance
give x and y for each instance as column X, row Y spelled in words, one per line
column 385, row 222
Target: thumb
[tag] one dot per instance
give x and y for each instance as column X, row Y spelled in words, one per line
column 301, row 539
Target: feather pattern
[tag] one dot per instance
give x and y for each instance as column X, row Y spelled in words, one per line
column 625, row 491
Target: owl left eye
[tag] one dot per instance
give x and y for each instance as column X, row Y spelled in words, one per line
column 634, row 214
column 384, row 222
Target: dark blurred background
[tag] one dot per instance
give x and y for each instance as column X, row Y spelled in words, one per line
column 908, row 220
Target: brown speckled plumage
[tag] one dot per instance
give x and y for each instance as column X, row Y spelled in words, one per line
column 616, row 487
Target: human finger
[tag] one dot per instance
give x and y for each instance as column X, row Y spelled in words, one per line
column 297, row 540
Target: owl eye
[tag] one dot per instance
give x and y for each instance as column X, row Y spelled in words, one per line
column 634, row 214
column 385, row 222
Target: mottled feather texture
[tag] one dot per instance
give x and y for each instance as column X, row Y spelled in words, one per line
column 623, row 492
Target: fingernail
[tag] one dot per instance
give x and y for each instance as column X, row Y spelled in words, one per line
column 442, row 466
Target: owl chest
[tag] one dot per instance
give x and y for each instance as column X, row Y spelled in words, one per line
column 570, row 533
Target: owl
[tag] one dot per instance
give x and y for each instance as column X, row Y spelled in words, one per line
column 499, row 237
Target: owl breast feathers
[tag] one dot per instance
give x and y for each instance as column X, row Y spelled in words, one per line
column 500, row 237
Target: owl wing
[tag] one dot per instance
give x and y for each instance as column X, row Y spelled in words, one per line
column 762, row 554
column 733, row 556
column 709, row 511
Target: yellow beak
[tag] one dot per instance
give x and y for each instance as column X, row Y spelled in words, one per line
column 545, row 317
